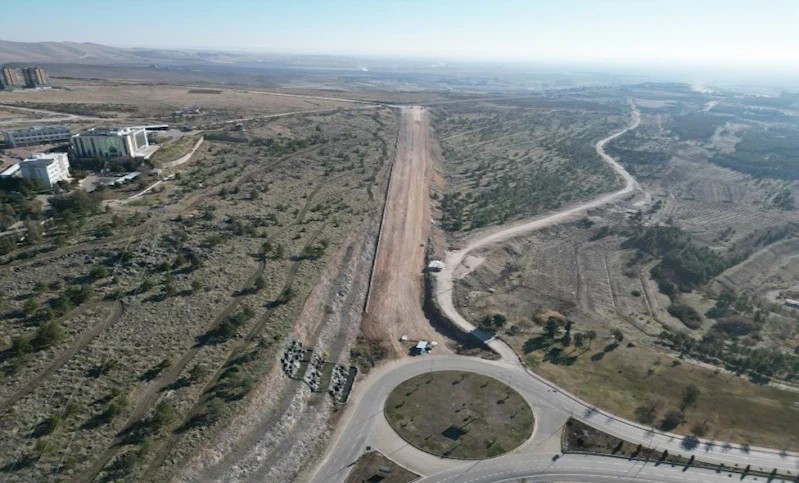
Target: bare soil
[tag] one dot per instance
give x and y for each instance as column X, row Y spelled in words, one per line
column 371, row 467
column 395, row 304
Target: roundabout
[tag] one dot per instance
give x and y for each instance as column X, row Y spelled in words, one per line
column 458, row 414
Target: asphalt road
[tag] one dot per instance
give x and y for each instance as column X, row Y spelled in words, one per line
column 364, row 424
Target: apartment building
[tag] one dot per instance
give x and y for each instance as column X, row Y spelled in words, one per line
column 47, row 168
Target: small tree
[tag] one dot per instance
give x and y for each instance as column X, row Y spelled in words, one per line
column 551, row 327
column 198, row 373
column 30, row 306
column 196, row 285
column 690, row 394
column 47, row 335
column 98, row 272
column 499, row 320
column 618, row 335
column 163, row 415
column 671, row 420
column 170, row 290
column 260, row 283
column 579, row 339
column 591, row 337
column 33, row 233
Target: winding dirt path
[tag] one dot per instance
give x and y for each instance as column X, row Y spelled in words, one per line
column 444, row 278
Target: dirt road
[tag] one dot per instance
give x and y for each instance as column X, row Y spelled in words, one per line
column 395, row 304
column 445, row 278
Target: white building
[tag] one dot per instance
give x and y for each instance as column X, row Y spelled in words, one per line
column 127, row 142
column 36, row 135
column 48, row 168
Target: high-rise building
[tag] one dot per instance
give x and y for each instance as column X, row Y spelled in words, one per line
column 35, row 78
column 11, row 79
column 25, row 77
column 36, row 135
column 47, row 168
column 127, row 142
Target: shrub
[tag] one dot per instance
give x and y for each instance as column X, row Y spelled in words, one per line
column 687, row 315
column 47, row 335
column 98, row 272
column 736, row 326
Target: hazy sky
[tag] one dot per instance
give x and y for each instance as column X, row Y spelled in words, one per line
column 695, row 32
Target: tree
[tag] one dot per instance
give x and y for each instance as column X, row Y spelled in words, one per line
column 579, row 339
column 198, row 372
column 47, row 335
column 671, row 420
column 591, row 337
column 690, row 394
column 33, row 233
column 499, row 320
column 170, row 290
column 618, row 335
column 551, row 327
column 30, row 306
column 6, row 245
column 163, row 415
column 216, row 410
column 260, row 283
column 98, row 272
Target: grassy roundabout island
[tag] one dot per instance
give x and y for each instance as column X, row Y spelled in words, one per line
column 459, row 415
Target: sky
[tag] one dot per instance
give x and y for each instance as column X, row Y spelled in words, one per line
column 746, row 33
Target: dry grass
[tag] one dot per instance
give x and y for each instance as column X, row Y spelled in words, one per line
column 174, row 150
column 627, row 379
column 160, row 101
column 459, row 415
column 369, row 467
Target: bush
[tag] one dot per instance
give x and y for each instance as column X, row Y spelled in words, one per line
column 98, row 272
column 47, row 335
column 736, row 326
column 687, row 315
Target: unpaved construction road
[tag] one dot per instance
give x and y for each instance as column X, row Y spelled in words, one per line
column 395, row 304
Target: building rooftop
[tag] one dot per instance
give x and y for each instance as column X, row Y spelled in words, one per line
column 109, row 131
column 36, row 129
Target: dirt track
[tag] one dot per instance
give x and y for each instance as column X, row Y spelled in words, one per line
column 395, row 305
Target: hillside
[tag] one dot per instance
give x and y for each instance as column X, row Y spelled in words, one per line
column 89, row 53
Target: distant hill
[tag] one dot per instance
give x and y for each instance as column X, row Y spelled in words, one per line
column 89, row 53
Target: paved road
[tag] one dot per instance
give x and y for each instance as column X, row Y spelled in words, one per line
column 585, row 468
column 363, row 424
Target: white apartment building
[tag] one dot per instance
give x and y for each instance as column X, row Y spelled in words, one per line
column 127, row 142
column 47, row 168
